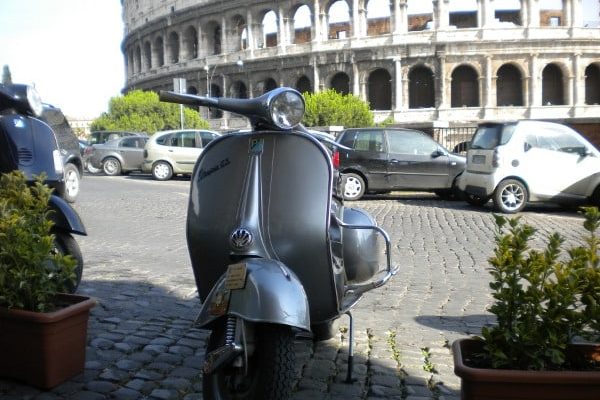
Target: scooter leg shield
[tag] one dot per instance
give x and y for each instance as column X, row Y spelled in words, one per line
column 258, row 290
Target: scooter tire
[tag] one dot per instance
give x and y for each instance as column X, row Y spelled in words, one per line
column 65, row 244
column 270, row 368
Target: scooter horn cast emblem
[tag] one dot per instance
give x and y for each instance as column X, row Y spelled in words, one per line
column 240, row 238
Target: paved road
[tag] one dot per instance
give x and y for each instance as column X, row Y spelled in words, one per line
column 141, row 344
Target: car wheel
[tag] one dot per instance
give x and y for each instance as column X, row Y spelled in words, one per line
column 71, row 183
column 510, row 196
column 475, row 200
column 353, row 186
column 162, row 171
column 65, row 244
column 111, row 166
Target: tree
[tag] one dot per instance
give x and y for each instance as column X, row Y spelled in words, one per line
column 141, row 111
column 6, row 76
column 332, row 108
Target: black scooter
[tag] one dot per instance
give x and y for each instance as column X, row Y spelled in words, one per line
column 30, row 145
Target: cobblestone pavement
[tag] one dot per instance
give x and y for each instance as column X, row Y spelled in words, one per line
column 142, row 345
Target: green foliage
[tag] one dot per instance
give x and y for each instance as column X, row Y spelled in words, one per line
column 332, row 108
column 141, row 111
column 31, row 272
column 543, row 299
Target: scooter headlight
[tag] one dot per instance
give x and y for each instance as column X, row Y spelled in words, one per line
column 35, row 101
column 287, row 109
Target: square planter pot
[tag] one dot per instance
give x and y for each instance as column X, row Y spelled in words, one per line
column 496, row 384
column 45, row 349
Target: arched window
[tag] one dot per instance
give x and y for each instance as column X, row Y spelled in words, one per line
column 138, row 59
column 147, row 56
column 303, row 85
column 239, row 90
column 592, row 84
column 159, row 51
column 509, row 89
column 341, row 83
column 380, row 90
column 192, row 90
column 378, row 17
column 465, row 87
column 215, row 91
column 269, row 26
column 339, row 20
column 421, row 89
column 269, row 84
column 240, row 32
column 302, row 25
column 216, row 36
column 191, row 42
column 174, row 48
column 552, row 86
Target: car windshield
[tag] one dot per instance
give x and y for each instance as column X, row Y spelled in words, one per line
column 488, row 137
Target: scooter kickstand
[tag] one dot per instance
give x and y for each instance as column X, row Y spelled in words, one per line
column 349, row 378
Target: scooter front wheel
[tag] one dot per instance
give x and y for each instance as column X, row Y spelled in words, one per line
column 65, row 244
column 268, row 373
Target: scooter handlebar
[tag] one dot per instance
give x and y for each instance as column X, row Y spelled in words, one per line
column 187, row 99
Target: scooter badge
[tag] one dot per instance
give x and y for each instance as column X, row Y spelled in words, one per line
column 240, row 238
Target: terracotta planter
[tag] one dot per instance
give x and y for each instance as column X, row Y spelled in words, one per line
column 496, row 384
column 44, row 349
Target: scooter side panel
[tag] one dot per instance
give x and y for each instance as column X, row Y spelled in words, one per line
column 272, row 293
column 294, row 193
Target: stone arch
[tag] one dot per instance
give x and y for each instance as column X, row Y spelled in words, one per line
column 465, row 87
column 339, row 25
column 509, row 86
column 303, row 21
column 340, row 82
column 239, row 30
column 380, row 89
column 553, row 92
column 592, row 84
column 215, row 91
column 269, row 84
column 378, row 17
column 421, row 87
column 173, row 48
column 159, row 51
column 239, row 90
column 190, row 42
column 269, row 29
column 303, row 85
column 211, row 38
column 147, row 55
column 138, row 59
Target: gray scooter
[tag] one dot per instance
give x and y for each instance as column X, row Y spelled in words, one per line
column 275, row 254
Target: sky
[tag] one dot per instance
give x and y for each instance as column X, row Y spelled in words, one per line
column 70, row 50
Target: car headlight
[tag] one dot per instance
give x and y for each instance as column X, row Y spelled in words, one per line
column 287, row 109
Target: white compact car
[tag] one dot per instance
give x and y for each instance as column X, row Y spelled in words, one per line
column 530, row 161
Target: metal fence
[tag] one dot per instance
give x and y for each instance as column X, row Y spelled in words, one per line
column 454, row 139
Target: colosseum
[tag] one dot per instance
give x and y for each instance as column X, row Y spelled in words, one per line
column 441, row 64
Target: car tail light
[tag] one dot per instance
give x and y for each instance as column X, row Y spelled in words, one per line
column 496, row 159
column 335, row 159
column 88, row 150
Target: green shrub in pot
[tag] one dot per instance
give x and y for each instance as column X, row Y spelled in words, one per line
column 31, row 271
column 544, row 300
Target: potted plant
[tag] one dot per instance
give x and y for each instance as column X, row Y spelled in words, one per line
column 42, row 332
column 547, row 306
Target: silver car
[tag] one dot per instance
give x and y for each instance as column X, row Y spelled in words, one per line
column 174, row 152
column 119, row 156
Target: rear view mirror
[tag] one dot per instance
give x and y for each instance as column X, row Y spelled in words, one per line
column 437, row 153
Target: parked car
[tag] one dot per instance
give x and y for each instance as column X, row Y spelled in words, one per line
column 380, row 160
column 174, row 152
column 119, row 156
column 68, row 144
column 99, row 137
column 514, row 163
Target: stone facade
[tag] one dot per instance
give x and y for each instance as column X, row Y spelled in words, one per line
column 427, row 68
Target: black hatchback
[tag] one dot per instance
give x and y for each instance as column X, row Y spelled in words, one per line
column 380, row 160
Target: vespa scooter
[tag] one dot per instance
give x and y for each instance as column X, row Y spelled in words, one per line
column 30, row 145
column 275, row 254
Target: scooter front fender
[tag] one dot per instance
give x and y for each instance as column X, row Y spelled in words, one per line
column 266, row 291
column 65, row 217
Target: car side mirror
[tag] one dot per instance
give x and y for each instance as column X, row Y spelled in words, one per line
column 437, row 153
column 526, row 147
